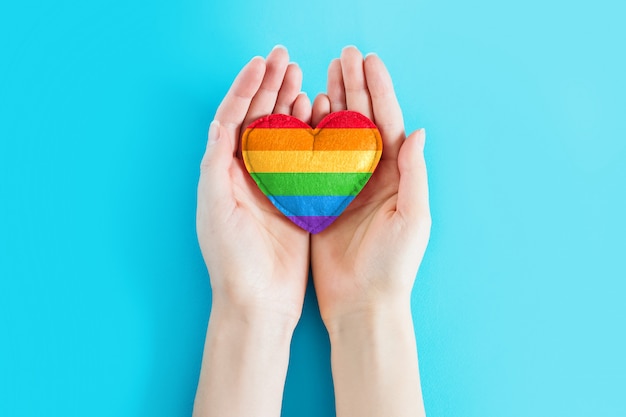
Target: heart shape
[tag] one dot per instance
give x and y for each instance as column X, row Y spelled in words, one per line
column 312, row 175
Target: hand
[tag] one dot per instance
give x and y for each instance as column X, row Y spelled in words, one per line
column 257, row 259
column 369, row 257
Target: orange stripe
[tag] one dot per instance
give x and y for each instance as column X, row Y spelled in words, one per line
column 306, row 161
column 328, row 139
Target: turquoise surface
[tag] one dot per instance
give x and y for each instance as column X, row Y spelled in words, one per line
column 104, row 108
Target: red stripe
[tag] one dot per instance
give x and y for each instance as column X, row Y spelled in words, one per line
column 342, row 119
column 346, row 119
column 277, row 121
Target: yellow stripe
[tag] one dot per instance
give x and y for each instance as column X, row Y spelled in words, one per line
column 307, row 161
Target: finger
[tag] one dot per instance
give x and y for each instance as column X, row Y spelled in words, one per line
column 302, row 108
column 232, row 111
column 292, row 84
column 412, row 202
column 357, row 95
column 215, row 185
column 265, row 99
column 387, row 112
column 335, row 88
column 321, row 108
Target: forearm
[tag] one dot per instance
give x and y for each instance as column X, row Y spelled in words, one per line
column 374, row 364
column 244, row 365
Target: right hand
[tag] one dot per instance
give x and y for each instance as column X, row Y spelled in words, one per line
column 368, row 258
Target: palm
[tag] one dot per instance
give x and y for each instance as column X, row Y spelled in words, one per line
column 349, row 250
column 273, row 245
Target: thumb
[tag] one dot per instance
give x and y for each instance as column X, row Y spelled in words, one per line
column 412, row 202
column 215, row 184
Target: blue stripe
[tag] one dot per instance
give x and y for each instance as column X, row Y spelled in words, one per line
column 311, row 205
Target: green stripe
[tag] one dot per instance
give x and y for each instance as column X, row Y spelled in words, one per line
column 311, row 183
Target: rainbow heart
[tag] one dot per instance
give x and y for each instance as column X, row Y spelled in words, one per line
column 311, row 175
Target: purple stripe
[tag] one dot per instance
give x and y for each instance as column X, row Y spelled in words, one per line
column 313, row 224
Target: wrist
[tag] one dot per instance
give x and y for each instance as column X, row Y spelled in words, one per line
column 370, row 320
column 252, row 319
column 244, row 365
column 374, row 362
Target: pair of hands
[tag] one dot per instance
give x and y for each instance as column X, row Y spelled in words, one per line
column 368, row 258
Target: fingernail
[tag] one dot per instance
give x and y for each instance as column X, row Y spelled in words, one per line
column 277, row 46
column 214, row 131
column 371, row 54
column 422, row 137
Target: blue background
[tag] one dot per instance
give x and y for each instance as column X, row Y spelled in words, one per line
column 104, row 107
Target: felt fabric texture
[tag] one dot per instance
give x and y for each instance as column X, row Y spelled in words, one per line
column 312, row 175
